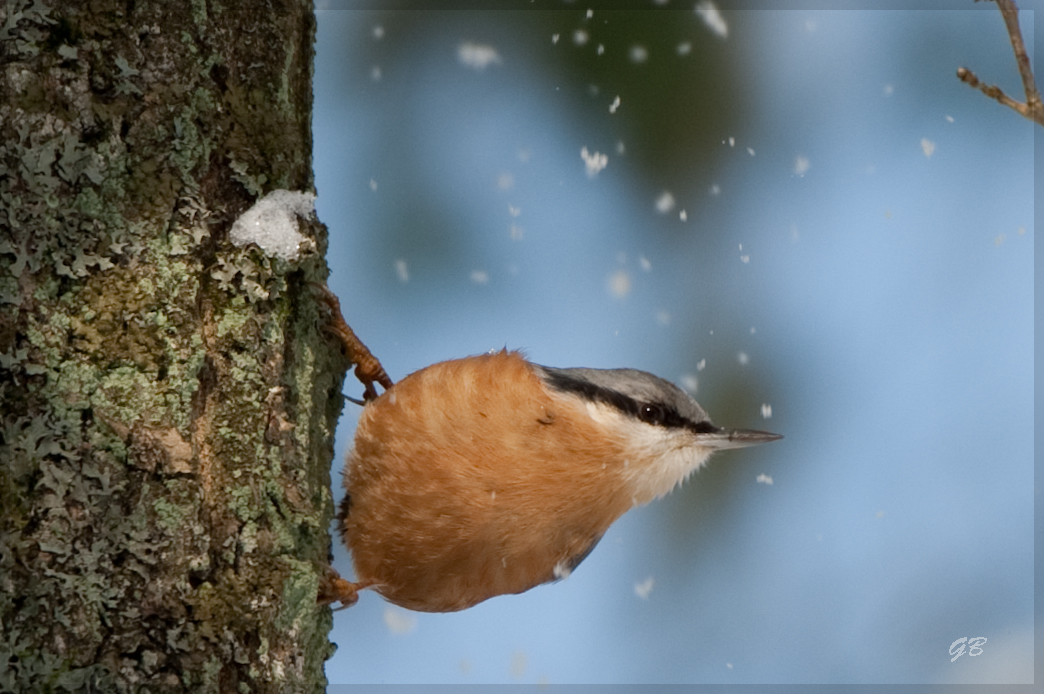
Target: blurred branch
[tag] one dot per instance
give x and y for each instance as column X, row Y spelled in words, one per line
column 1032, row 109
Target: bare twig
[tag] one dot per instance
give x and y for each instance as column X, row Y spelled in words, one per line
column 1033, row 109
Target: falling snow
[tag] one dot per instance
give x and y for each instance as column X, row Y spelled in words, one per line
column 593, row 163
column 643, row 589
column 399, row 621
column 712, row 18
column 665, row 203
column 477, row 56
column 620, row 284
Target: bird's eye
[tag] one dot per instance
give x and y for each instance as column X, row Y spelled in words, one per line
column 651, row 413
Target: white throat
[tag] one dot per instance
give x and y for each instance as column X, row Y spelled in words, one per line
column 658, row 458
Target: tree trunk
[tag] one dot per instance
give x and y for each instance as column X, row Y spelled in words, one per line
column 167, row 399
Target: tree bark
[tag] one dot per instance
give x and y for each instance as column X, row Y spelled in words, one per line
column 167, row 400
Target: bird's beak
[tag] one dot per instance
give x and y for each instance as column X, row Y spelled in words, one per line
column 735, row 438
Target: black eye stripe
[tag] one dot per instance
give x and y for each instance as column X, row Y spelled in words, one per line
column 703, row 427
column 654, row 413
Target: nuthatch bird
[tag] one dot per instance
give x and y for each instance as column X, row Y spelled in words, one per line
column 490, row 475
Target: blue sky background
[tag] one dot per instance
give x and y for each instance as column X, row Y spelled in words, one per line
column 865, row 268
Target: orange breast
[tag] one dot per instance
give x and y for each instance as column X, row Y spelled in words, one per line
column 469, row 479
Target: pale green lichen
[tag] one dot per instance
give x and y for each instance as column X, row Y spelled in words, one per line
column 170, row 515
column 232, row 322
